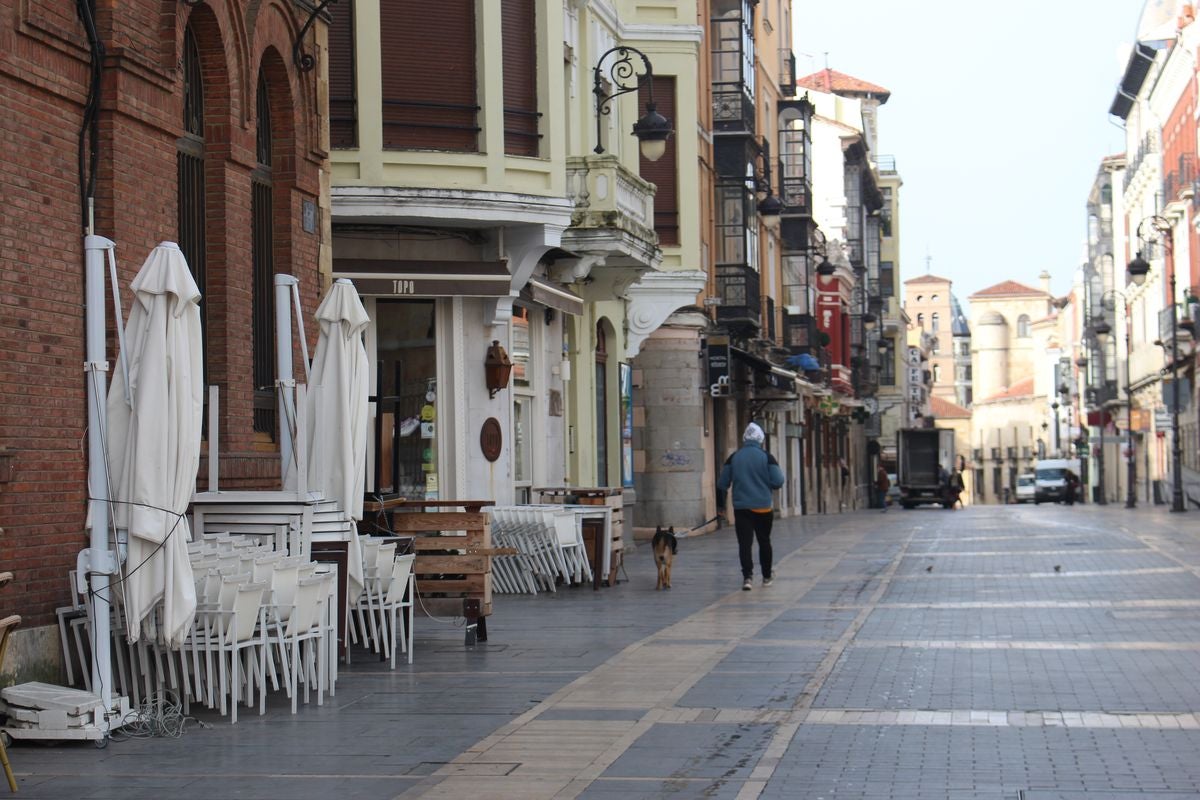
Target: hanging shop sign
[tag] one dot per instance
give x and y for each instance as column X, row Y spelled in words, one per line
column 491, row 439
column 718, row 366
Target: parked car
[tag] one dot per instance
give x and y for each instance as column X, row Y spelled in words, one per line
column 1026, row 488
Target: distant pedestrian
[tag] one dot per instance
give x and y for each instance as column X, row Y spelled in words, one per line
column 1072, row 481
column 882, row 484
column 754, row 474
column 844, row 488
column 956, row 489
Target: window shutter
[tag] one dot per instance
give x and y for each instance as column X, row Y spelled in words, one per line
column 663, row 173
column 519, row 33
column 343, row 107
column 429, row 76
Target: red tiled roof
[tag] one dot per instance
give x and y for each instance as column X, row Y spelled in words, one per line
column 927, row 279
column 941, row 407
column 1022, row 388
column 833, row 82
column 1007, row 288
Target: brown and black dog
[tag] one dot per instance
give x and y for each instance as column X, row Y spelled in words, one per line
column 665, row 545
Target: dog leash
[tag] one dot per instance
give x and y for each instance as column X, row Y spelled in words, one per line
column 705, row 524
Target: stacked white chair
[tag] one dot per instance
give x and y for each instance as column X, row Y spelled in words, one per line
column 550, row 548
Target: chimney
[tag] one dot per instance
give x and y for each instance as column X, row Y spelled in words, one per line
column 1045, row 279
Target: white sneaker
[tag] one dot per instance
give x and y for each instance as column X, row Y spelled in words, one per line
column 747, row 585
column 768, row 581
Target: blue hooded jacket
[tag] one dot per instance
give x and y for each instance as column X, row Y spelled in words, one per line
column 754, row 474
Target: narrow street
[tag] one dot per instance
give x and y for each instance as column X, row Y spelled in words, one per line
column 1043, row 653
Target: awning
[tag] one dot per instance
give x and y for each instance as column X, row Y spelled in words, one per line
column 552, row 296
column 770, row 382
column 397, row 278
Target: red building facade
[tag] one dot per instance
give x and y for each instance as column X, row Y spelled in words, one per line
column 153, row 121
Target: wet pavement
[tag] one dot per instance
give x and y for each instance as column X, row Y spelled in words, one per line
column 1021, row 652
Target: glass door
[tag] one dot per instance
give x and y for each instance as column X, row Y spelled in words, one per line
column 406, row 399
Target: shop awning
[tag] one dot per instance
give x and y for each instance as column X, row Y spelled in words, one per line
column 553, row 296
column 397, row 278
column 770, row 382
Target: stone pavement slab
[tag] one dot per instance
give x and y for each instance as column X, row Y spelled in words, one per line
column 914, row 655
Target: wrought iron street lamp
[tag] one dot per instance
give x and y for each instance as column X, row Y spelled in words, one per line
column 1057, row 440
column 624, row 75
column 1161, row 229
column 1103, row 331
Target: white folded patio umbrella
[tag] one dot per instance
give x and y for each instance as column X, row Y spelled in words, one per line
column 154, row 441
column 336, row 418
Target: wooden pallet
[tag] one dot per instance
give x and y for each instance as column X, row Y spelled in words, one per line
column 454, row 552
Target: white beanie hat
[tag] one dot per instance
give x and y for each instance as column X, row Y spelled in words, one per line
column 754, row 434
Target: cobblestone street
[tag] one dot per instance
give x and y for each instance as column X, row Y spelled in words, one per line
column 1043, row 653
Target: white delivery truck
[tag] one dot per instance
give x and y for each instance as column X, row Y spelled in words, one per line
column 1050, row 479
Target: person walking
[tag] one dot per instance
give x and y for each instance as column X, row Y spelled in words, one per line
column 882, row 484
column 754, row 474
column 956, row 489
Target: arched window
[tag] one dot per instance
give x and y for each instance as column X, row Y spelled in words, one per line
column 937, row 373
column 920, row 297
column 933, row 322
column 190, row 185
column 920, row 320
column 1023, row 326
column 263, row 265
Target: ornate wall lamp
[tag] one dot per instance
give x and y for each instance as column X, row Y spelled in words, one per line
column 653, row 129
column 305, row 61
column 497, row 367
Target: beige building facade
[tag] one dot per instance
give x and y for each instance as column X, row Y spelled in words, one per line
column 927, row 302
column 1015, row 346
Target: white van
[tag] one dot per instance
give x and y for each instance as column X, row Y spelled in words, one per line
column 1050, row 479
column 1026, row 488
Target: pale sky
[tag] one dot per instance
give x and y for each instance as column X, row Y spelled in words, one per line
column 998, row 119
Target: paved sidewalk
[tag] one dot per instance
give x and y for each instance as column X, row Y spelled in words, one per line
column 994, row 652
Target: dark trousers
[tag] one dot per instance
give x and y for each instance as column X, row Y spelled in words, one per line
column 751, row 525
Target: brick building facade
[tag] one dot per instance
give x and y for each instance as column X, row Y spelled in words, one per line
column 187, row 123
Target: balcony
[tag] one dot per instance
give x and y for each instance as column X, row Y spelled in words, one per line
column 800, row 333
column 738, row 289
column 614, row 212
column 1180, row 183
column 1149, row 147
column 787, row 72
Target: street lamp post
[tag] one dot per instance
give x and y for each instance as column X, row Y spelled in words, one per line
column 1057, row 441
column 1139, row 268
column 1176, row 443
column 1103, row 330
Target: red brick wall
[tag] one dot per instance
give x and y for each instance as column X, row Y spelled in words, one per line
column 44, row 69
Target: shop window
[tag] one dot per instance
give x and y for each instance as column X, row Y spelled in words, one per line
column 601, row 405
column 406, row 463
column 524, row 423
